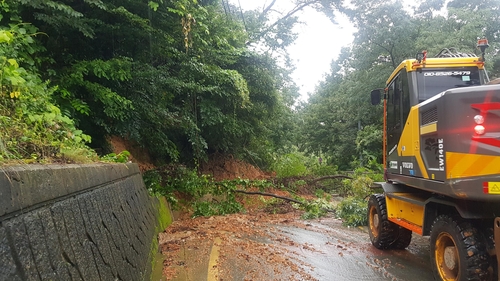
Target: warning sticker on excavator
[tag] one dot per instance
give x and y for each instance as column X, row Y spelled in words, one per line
column 491, row 187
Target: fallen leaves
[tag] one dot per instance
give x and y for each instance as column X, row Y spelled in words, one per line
column 249, row 239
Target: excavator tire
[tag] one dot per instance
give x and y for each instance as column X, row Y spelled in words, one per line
column 458, row 250
column 381, row 230
column 402, row 238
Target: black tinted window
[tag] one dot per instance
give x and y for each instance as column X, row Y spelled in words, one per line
column 434, row 81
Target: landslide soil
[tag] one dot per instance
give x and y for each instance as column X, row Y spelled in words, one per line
column 261, row 215
column 249, row 241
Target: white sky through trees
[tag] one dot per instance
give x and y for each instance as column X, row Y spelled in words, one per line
column 319, row 42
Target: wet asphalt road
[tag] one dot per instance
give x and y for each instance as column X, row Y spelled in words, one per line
column 347, row 254
column 308, row 250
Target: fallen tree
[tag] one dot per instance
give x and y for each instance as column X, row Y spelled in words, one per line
column 306, row 204
column 269, row 194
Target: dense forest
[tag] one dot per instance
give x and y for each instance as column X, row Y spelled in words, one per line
column 188, row 78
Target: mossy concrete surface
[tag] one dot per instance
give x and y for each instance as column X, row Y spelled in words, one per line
column 77, row 222
column 165, row 218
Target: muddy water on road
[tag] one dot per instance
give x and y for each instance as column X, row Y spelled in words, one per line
column 335, row 252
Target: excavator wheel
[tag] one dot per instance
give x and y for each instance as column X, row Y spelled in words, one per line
column 381, row 230
column 402, row 238
column 458, row 251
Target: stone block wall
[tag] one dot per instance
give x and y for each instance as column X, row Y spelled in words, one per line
column 76, row 222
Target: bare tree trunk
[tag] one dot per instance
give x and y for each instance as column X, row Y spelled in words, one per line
column 279, row 197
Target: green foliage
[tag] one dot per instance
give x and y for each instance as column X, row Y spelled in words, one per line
column 368, row 144
column 316, row 208
column 176, row 76
column 184, row 79
column 289, row 165
column 376, row 174
column 121, row 157
column 178, row 178
column 339, row 120
column 206, row 209
column 298, row 164
column 153, row 182
column 324, row 170
column 334, row 115
column 361, row 187
column 206, row 196
column 190, row 87
column 81, row 87
column 32, row 128
column 352, row 210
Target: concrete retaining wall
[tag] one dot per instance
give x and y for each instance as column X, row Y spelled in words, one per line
column 75, row 222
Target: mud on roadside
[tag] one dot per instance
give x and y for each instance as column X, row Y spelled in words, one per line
column 248, row 241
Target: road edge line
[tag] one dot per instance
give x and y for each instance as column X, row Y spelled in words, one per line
column 213, row 271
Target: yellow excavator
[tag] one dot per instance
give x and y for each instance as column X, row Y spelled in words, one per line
column 441, row 156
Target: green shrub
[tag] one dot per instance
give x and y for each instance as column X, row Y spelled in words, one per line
column 361, row 187
column 206, row 208
column 177, row 178
column 316, row 208
column 206, row 196
column 353, row 211
column 376, row 175
column 324, row 170
column 290, row 165
column 121, row 157
column 32, row 128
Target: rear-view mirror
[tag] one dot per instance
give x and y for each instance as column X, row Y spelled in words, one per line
column 375, row 96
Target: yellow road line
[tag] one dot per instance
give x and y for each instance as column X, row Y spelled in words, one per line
column 213, row 270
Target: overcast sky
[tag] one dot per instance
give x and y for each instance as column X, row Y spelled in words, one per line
column 319, row 42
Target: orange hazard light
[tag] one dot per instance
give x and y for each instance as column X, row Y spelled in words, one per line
column 482, row 42
column 491, row 187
